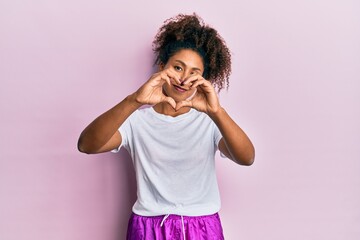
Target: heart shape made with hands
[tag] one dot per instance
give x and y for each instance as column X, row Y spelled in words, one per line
column 184, row 103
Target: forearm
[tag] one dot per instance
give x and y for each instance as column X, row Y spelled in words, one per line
column 100, row 131
column 238, row 144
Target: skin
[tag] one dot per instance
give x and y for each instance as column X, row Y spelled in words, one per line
column 177, row 87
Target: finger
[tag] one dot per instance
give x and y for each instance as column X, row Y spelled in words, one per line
column 193, row 78
column 173, row 75
column 158, row 79
column 165, row 77
column 202, row 82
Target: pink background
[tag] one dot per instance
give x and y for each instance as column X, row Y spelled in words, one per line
column 295, row 89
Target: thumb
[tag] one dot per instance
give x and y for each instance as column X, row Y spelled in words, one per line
column 183, row 104
column 171, row 101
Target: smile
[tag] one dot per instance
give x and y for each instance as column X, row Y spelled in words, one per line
column 180, row 89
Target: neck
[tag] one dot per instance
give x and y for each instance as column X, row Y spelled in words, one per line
column 167, row 109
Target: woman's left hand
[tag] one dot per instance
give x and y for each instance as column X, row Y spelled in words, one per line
column 205, row 99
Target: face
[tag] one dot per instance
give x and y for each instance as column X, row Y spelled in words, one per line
column 186, row 63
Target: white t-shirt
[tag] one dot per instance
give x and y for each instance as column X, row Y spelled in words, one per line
column 174, row 160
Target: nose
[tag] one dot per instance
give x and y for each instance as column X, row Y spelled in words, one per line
column 184, row 76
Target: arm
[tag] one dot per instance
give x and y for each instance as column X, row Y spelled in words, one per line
column 102, row 134
column 235, row 144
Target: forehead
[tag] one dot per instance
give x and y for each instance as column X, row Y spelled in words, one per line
column 189, row 58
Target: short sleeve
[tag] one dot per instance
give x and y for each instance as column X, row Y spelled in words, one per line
column 125, row 132
column 218, row 137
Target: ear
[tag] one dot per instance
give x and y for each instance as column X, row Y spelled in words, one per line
column 161, row 66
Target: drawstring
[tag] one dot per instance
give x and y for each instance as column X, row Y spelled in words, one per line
column 165, row 217
column 183, row 227
column 182, row 223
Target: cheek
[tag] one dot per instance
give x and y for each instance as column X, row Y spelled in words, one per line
column 192, row 94
column 165, row 89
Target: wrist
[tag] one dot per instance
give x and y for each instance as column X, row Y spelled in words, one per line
column 216, row 114
column 133, row 100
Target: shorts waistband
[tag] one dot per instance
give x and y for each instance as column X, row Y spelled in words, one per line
column 177, row 217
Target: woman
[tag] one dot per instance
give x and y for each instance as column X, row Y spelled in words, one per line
column 173, row 142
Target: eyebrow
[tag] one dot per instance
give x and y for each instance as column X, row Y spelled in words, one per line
column 182, row 63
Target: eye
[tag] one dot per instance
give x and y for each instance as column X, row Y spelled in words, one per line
column 178, row 68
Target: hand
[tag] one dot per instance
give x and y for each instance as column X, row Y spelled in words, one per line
column 205, row 99
column 152, row 91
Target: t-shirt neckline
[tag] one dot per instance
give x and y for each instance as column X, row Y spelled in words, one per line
column 171, row 118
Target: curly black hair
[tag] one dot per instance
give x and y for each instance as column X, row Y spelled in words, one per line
column 190, row 32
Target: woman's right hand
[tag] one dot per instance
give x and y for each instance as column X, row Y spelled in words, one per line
column 152, row 91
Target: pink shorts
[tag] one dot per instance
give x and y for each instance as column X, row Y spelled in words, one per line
column 175, row 227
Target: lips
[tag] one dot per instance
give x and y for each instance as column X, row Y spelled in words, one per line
column 180, row 89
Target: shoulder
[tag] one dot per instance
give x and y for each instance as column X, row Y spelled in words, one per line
column 139, row 113
column 201, row 116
